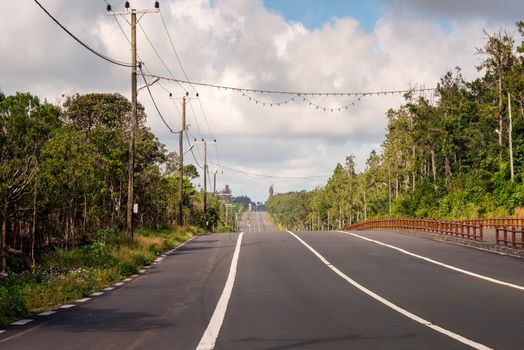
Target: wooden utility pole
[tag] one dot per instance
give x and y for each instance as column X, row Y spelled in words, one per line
column 205, row 178
column 134, row 122
column 181, row 165
column 215, row 183
column 134, row 126
column 205, row 184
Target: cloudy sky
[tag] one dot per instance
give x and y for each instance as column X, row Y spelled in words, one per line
column 292, row 45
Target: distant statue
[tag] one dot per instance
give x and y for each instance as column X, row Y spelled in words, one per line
column 270, row 191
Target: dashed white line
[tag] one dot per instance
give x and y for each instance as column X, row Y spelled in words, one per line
column 128, row 279
column 135, row 275
column 389, row 304
column 83, row 300
column 142, row 271
column 109, row 288
column 47, row 313
column 466, row 272
column 2, row 331
column 67, row 306
column 97, row 294
column 21, row 322
column 213, row 328
column 118, row 284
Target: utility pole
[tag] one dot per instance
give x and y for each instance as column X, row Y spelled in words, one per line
column 215, row 183
column 180, row 214
column 205, row 178
column 134, row 123
column 181, row 165
column 205, row 184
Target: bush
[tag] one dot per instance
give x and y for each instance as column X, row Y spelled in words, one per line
column 69, row 275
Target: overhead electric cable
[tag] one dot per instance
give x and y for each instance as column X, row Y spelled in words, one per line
column 104, row 57
column 297, row 93
column 257, row 175
column 187, row 78
column 154, row 102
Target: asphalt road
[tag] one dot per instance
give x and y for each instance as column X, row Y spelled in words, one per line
column 300, row 290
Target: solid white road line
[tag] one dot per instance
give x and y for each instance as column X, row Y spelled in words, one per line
column 21, row 322
column 389, row 304
column 213, row 328
column 466, row 272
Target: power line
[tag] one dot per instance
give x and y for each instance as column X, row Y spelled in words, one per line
column 257, row 175
column 297, row 93
column 104, row 57
column 154, row 102
column 187, row 78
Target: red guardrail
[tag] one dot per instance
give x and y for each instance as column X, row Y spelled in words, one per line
column 448, row 228
column 494, row 222
column 510, row 236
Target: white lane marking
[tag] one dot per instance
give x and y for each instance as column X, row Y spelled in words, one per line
column 135, row 275
column 83, row 300
column 127, row 279
column 213, row 328
column 118, row 284
column 142, row 271
column 389, row 304
column 2, row 331
column 22, row 322
column 466, row 272
column 47, row 313
column 67, row 306
column 109, row 288
column 97, row 294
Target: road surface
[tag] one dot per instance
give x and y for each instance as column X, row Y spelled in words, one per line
column 263, row 289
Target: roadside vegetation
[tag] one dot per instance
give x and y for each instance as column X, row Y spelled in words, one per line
column 63, row 197
column 445, row 156
column 65, row 276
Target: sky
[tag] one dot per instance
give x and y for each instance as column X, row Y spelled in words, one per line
column 292, row 45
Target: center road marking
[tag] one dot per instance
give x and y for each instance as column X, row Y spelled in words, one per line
column 213, row 328
column 400, row 310
column 466, row 272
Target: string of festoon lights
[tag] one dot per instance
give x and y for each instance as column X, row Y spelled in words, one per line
column 299, row 96
column 272, row 177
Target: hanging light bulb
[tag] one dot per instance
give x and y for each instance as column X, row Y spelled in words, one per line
column 108, row 8
column 157, row 5
column 126, row 5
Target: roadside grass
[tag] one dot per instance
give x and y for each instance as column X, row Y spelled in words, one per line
column 65, row 276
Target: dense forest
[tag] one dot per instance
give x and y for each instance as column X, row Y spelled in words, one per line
column 457, row 155
column 63, row 175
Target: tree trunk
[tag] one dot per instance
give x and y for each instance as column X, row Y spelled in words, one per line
column 501, row 124
column 84, row 222
column 4, row 234
column 33, row 232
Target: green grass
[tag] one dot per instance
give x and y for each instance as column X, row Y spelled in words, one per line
column 64, row 276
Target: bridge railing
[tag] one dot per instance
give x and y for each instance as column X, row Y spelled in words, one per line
column 470, row 231
column 511, row 236
column 494, row 222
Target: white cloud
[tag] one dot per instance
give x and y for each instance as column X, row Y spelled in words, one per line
column 240, row 43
